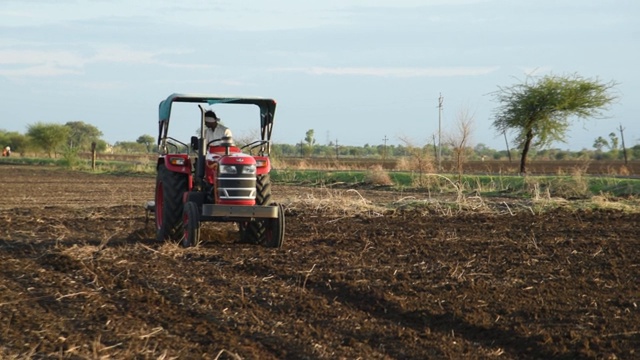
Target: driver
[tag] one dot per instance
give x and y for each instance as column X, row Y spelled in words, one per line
column 214, row 130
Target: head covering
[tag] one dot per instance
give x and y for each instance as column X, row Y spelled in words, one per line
column 210, row 116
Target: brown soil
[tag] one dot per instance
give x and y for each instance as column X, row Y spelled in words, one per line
column 81, row 276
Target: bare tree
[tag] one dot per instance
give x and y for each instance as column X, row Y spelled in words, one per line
column 460, row 138
column 246, row 137
column 422, row 162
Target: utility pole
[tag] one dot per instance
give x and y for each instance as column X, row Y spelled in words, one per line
column 624, row 149
column 435, row 147
column 384, row 150
column 440, row 101
column 507, row 143
column 337, row 149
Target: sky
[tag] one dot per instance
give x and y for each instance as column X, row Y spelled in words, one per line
column 355, row 72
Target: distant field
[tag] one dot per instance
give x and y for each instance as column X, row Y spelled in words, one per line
column 599, row 167
column 534, row 167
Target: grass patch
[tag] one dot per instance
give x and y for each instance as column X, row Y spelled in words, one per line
column 577, row 186
column 73, row 162
column 573, row 186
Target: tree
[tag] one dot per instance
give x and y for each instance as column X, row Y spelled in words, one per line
column 148, row 141
column 459, row 140
column 310, row 141
column 614, row 145
column 635, row 151
column 81, row 135
column 419, row 156
column 129, row 147
column 541, row 110
column 101, row 146
column 18, row 142
column 599, row 143
column 246, row 137
column 48, row 137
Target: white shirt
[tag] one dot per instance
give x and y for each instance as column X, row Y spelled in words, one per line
column 219, row 132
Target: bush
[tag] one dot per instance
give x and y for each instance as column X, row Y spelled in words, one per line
column 70, row 158
column 377, row 176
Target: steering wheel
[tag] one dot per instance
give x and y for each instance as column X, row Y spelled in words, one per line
column 226, row 141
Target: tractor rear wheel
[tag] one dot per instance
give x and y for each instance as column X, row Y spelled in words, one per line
column 191, row 224
column 263, row 190
column 169, row 189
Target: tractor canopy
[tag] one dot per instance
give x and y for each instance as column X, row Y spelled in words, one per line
column 267, row 106
column 267, row 109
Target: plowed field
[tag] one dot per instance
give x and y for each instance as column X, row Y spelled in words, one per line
column 82, row 277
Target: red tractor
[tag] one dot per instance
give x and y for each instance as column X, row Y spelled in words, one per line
column 216, row 181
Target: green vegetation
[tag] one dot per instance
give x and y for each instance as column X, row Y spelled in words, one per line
column 72, row 161
column 573, row 186
column 540, row 112
column 567, row 186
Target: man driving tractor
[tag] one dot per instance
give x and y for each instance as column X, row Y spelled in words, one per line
column 215, row 130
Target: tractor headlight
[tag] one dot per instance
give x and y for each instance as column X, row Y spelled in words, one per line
column 261, row 163
column 176, row 161
column 249, row 169
column 228, row 169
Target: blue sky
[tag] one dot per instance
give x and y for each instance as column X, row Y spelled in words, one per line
column 355, row 71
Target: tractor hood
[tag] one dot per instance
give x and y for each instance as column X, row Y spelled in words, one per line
column 231, row 159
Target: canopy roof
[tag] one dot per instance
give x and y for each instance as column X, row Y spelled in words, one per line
column 266, row 105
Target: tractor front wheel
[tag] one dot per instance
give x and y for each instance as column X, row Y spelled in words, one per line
column 191, row 224
column 253, row 231
column 274, row 234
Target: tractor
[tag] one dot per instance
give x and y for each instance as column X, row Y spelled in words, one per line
column 216, row 180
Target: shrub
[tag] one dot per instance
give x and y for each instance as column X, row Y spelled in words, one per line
column 377, row 176
column 70, row 158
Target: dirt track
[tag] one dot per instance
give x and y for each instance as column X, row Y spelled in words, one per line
column 82, row 277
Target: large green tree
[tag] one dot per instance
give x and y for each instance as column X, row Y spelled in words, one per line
column 47, row 136
column 148, row 141
column 81, row 135
column 540, row 110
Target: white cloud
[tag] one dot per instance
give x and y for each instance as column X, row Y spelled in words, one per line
column 393, row 72
column 121, row 54
column 30, row 63
column 61, row 58
column 44, row 70
column 106, row 85
column 234, row 15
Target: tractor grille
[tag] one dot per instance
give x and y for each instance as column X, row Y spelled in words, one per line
column 237, row 187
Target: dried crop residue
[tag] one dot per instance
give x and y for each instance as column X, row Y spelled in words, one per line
column 83, row 277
